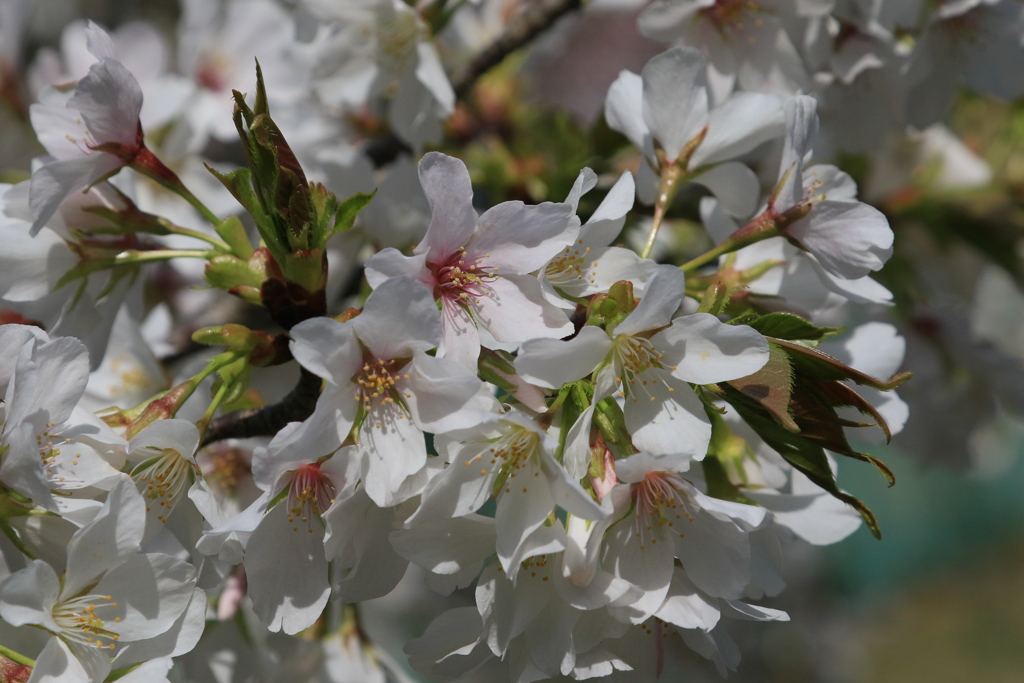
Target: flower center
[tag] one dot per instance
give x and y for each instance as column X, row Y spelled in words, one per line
column 570, row 265
column 377, row 381
column 48, row 453
column 461, row 279
column 733, row 15
column 635, row 357
column 227, row 466
column 310, row 493
column 509, row 454
column 79, row 622
column 162, row 479
column 659, row 502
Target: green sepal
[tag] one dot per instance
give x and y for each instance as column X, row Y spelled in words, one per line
column 233, row 232
column 349, row 209
column 791, row 327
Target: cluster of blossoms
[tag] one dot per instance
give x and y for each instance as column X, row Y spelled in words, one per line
column 598, row 455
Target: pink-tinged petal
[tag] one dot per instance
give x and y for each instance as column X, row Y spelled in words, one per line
column 449, row 192
column 54, row 182
column 850, row 239
column 666, row 422
column 98, row 41
column 801, row 129
column 437, row 393
column 686, row 607
column 515, row 238
column 740, row 124
column 623, row 109
column 151, row 591
column 358, row 541
column 109, row 539
column 514, row 310
column 460, row 340
column 675, row 98
column 523, row 505
column 662, row 298
column 393, row 448
column 735, row 186
column 703, row 350
column 644, row 558
column 551, row 362
column 286, row 571
column 390, row 262
column 109, row 99
column 327, row 348
column 28, row 596
column 399, row 318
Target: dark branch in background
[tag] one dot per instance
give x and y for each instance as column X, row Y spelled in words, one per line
column 520, row 30
column 269, row 420
column 299, row 404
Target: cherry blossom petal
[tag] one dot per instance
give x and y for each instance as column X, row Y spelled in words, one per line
column 449, row 192
column 54, row 182
column 515, row 238
column 551, row 363
column 703, row 350
column 850, row 239
column 735, row 186
column 667, row 422
column 28, row 596
column 675, row 99
column 399, row 318
column 739, row 125
column 623, row 109
column 286, row 571
column 514, row 310
column 662, row 298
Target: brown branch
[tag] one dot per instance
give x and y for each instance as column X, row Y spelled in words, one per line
column 268, row 420
column 520, row 30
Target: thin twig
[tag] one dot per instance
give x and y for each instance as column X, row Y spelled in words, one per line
column 520, row 30
column 269, row 420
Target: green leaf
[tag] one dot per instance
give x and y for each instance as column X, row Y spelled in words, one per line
column 718, row 482
column 821, row 367
column 771, row 387
column 802, row 454
column 233, row 232
column 349, row 209
column 791, row 327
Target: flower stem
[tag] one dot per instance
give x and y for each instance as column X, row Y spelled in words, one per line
column 671, row 175
column 16, row 657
